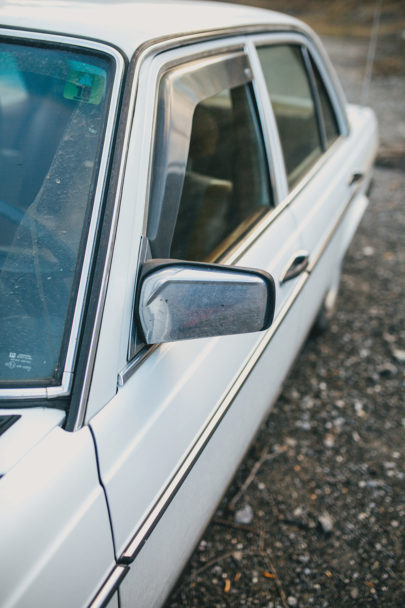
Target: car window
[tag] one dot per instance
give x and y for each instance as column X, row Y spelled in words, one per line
column 210, row 178
column 294, row 108
column 53, row 108
column 329, row 118
column 225, row 186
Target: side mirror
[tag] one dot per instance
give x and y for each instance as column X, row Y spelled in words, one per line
column 183, row 300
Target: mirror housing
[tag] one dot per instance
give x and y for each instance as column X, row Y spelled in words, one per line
column 183, row 300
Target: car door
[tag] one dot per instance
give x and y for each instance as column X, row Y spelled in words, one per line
column 169, row 434
column 325, row 181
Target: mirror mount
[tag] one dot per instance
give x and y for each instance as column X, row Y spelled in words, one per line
column 180, row 300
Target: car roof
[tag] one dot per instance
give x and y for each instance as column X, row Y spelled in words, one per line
column 128, row 24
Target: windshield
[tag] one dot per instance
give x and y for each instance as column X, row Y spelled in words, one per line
column 52, row 113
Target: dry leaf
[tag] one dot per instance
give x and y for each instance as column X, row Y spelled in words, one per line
column 269, row 575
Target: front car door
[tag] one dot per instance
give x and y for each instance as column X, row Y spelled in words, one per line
column 184, row 413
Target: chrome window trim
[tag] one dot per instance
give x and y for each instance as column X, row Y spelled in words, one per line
column 250, row 39
column 236, row 253
column 320, row 122
column 168, row 494
column 326, row 70
column 62, row 390
column 225, row 36
column 189, row 54
column 183, row 86
column 276, row 167
column 109, row 587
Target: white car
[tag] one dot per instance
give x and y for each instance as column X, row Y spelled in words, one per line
column 179, row 184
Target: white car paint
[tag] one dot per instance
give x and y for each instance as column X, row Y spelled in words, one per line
column 155, row 443
column 56, row 545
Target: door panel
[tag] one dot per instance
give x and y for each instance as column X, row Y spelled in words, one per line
column 145, row 433
column 167, row 413
column 316, row 157
column 329, row 209
column 167, row 549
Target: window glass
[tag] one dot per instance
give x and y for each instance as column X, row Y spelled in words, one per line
column 293, row 105
column 226, row 186
column 329, row 118
column 53, row 107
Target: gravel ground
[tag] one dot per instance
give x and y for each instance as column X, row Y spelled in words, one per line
column 315, row 515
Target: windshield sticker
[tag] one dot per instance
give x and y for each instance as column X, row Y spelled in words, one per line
column 85, row 83
column 19, row 361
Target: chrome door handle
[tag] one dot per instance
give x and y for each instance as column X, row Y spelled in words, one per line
column 298, row 264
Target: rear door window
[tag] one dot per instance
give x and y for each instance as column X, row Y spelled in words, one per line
column 303, row 112
column 294, row 109
column 330, row 123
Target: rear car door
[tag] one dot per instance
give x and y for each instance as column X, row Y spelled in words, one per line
column 326, row 182
column 203, row 157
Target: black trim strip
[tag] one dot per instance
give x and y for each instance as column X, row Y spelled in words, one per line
column 320, row 123
column 7, row 421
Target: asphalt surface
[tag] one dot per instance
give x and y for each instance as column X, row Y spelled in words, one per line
column 315, row 515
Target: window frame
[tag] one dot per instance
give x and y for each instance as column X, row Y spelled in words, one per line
column 236, row 40
column 297, row 58
column 204, row 77
column 309, row 51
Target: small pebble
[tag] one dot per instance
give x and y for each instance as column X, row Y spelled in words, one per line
column 387, row 370
column 326, row 523
column 329, row 441
column 399, row 355
column 244, row 516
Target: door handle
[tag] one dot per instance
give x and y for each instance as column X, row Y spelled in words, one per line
column 295, row 266
column 355, row 177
